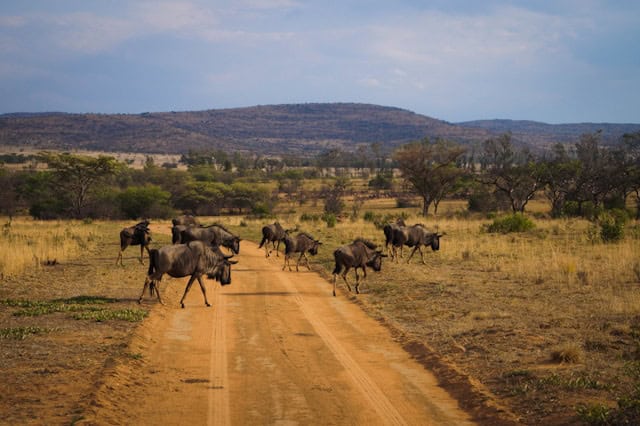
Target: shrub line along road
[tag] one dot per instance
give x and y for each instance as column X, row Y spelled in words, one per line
column 275, row 347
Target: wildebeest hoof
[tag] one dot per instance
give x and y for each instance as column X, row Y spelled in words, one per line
column 208, row 304
column 182, row 305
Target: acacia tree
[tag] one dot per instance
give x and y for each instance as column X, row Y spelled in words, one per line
column 631, row 150
column 76, row 175
column 512, row 172
column 430, row 168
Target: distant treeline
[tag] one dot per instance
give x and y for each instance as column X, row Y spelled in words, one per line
column 585, row 179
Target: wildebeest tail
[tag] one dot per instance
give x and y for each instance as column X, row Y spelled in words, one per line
column 153, row 261
column 338, row 268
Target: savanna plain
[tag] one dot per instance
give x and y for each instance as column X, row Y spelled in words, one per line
column 543, row 324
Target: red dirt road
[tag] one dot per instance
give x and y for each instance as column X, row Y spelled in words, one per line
column 274, row 348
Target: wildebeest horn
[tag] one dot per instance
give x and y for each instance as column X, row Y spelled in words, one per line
column 233, row 262
column 228, row 257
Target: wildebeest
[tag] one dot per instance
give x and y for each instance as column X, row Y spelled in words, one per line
column 137, row 235
column 301, row 243
column 273, row 234
column 176, row 233
column 185, row 219
column 415, row 236
column 359, row 254
column 195, row 258
column 388, row 234
column 216, row 235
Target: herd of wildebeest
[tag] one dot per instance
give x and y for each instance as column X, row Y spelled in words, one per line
column 196, row 251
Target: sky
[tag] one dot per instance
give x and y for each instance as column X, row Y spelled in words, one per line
column 555, row 61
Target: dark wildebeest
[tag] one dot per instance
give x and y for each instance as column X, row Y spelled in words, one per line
column 415, row 236
column 176, row 233
column 216, row 235
column 185, row 219
column 388, row 234
column 301, row 243
column 195, row 258
column 359, row 254
column 137, row 235
column 273, row 234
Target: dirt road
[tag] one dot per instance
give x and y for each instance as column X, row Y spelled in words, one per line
column 274, row 348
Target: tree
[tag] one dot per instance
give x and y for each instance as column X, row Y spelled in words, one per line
column 512, row 172
column 631, row 150
column 145, row 201
column 559, row 177
column 430, row 168
column 333, row 194
column 77, row 175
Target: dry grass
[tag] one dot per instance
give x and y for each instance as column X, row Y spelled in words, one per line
column 32, row 244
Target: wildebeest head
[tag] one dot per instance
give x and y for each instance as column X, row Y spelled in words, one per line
column 222, row 271
column 234, row 245
column 376, row 261
column 435, row 241
column 314, row 247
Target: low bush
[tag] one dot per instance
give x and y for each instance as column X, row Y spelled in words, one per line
column 513, row 223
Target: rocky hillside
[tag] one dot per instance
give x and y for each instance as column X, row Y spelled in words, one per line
column 301, row 129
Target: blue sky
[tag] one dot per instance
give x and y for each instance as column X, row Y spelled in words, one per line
column 562, row 61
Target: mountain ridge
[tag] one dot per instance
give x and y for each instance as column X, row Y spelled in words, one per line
column 299, row 129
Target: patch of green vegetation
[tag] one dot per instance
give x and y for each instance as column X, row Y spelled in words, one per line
column 21, row 333
column 82, row 307
column 102, row 315
column 524, row 381
column 594, row 414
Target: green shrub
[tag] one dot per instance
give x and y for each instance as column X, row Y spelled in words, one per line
column 330, row 219
column 612, row 224
column 370, row 216
column 309, row 217
column 514, row 223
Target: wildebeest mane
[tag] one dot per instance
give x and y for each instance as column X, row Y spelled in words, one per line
column 306, row 235
column 366, row 242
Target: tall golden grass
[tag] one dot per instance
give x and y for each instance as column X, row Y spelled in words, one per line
column 27, row 243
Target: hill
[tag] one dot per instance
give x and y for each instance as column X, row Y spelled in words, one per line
column 300, row 129
column 540, row 135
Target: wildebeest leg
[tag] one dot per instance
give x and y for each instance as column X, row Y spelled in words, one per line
column 186, row 290
column 156, row 287
column 277, row 247
column 344, row 277
column 422, row 255
column 119, row 259
column 298, row 261
column 306, row 259
column 141, row 253
column 364, row 277
column 144, row 288
column 204, row 291
column 413, row 251
column 287, row 260
column 395, row 254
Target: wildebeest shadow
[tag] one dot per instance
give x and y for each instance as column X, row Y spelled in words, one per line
column 262, row 293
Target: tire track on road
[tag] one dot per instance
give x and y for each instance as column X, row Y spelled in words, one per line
column 219, row 411
column 371, row 391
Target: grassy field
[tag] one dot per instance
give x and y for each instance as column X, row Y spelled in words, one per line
column 547, row 321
